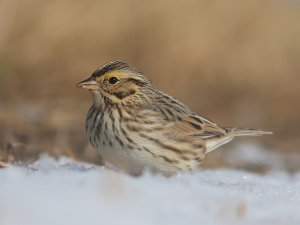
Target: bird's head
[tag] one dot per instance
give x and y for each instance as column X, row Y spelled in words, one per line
column 116, row 81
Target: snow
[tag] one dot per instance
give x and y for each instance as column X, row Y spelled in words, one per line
column 54, row 192
column 253, row 154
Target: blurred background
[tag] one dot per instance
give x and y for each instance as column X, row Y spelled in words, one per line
column 236, row 62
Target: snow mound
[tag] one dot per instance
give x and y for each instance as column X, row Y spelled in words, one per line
column 51, row 192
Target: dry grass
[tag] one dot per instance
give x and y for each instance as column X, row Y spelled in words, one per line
column 3, row 164
column 237, row 62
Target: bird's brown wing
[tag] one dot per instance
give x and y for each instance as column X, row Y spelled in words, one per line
column 183, row 126
column 182, row 137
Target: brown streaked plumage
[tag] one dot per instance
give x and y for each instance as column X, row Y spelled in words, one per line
column 135, row 126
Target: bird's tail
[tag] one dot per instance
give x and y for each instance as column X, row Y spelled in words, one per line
column 214, row 143
column 236, row 132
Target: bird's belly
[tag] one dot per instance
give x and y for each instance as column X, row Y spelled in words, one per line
column 118, row 156
column 134, row 161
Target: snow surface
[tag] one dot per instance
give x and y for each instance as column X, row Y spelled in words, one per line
column 50, row 192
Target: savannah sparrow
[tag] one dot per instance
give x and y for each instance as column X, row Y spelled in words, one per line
column 135, row 126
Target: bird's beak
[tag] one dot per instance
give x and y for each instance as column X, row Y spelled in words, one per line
column 89, row 83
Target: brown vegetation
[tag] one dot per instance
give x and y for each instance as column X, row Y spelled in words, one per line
column 236, row 62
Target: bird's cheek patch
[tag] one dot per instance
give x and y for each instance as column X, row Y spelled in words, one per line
column 124, row 94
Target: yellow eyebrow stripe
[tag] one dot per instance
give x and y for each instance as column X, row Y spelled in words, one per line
column 116, row 73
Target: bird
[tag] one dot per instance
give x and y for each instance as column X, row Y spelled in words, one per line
column 136, row 127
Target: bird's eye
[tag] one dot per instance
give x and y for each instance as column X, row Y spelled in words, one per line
column 113, row 80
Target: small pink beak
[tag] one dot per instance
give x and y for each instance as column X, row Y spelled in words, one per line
column 89, row 84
